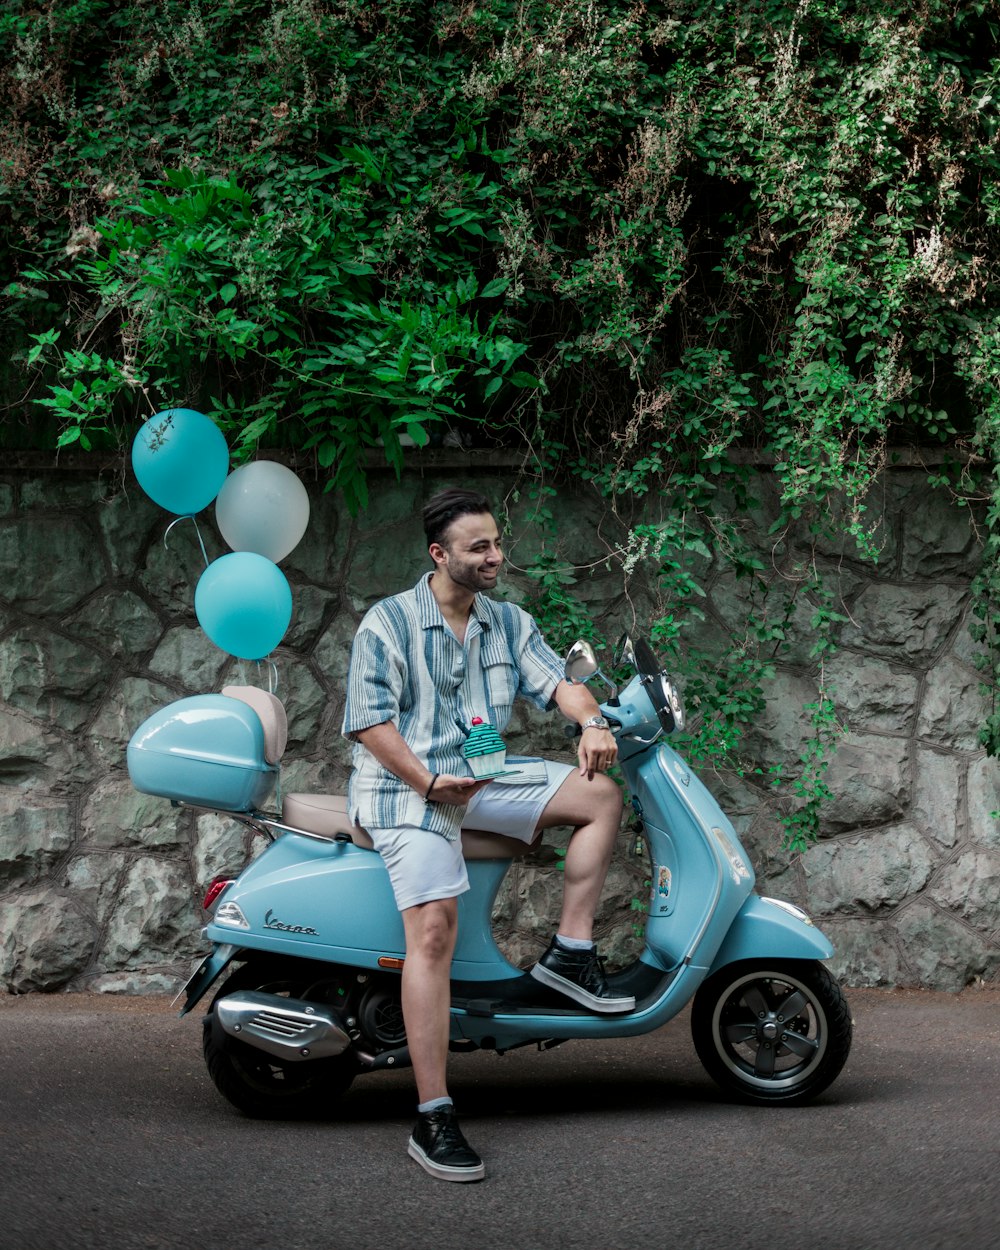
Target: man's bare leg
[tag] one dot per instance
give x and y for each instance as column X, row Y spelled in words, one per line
column 437, row 1143
column 593, row 809
column 431, row 929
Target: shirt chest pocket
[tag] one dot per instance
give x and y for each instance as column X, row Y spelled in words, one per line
column 500, row 674
column 501, row 683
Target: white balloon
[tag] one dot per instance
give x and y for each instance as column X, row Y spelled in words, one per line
column 262, row 507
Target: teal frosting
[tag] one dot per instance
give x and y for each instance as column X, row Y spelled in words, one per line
column 483, row 740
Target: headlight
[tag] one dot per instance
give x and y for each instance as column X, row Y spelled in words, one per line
column 672, row 700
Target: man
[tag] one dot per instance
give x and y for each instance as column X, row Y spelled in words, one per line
column 423, row 664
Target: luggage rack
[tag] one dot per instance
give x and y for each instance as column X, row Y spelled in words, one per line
column 268, row 824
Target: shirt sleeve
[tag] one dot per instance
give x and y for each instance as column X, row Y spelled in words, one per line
column 541, row 669
column 374, row 683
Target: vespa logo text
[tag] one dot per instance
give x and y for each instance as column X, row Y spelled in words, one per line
column 271, row 923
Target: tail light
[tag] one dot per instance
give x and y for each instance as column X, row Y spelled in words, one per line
column 215, row 887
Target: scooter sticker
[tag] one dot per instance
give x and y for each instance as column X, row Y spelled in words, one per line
column 660, row 889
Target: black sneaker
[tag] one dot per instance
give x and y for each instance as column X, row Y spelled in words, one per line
column 439, row 1147
column 580, row 976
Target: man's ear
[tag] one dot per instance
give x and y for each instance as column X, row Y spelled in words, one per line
column 438, row 553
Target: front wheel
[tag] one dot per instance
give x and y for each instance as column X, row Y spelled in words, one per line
column 774, row 1032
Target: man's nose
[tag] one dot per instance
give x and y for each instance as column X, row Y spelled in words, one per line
column 494, row 556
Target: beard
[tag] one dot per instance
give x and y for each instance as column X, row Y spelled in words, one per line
column 472, row 577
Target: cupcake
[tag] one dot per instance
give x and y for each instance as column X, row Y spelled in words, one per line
column 484, row 750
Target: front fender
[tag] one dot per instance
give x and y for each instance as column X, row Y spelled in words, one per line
column 763, row 929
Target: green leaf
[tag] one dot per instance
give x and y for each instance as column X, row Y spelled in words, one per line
column 418, row 434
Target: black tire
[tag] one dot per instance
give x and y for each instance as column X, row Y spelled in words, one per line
column 775, row 1032
column 262, row 1085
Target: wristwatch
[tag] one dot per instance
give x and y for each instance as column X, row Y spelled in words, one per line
column 596, row 722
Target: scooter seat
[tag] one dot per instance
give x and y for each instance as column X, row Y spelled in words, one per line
column 326, row 814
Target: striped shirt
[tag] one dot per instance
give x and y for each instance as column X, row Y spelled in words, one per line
column 408, row 667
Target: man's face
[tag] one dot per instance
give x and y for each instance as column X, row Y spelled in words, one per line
column 470, row 552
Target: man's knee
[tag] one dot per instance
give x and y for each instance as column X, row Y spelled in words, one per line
column 430, row 929
column 610, row 793
column 582, row 800
column 600, row 793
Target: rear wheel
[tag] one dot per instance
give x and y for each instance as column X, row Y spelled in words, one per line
column 260, row 1084
column 774, row 1032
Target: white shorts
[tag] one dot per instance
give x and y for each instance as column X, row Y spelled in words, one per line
column 424, row 866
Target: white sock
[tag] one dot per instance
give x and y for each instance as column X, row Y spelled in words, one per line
column 574, row 944
column 434, row 1104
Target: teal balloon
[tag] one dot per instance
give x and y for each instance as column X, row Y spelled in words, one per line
column 244, row 604
column 180, row 459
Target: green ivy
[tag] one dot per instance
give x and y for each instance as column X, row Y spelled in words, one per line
column 644, row 244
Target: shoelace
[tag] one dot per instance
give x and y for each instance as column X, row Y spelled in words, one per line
column 446, row 1132
column 451, row 1134
column 597, row 960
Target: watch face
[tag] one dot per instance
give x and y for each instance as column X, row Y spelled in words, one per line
column 596, row 722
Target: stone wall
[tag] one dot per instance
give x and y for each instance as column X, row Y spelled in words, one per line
column 100, row 887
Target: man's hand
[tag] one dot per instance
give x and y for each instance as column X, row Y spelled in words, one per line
column 457, row 791
column 387, row 745
column 598, row 750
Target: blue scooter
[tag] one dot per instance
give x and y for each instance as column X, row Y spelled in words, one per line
column 317, row 943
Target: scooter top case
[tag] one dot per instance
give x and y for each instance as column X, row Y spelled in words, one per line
column 209, row 750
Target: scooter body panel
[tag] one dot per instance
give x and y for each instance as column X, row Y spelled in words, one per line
column 699, row 875
column 764, row 930
column 332, row 901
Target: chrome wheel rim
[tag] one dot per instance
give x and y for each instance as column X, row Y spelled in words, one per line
column 770, row 1030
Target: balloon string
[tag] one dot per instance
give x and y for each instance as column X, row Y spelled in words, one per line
column 177, row 521
column 272, row 675
column 201, row 541
column 272, row 686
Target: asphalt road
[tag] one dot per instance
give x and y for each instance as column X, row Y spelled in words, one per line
column 112, row 1135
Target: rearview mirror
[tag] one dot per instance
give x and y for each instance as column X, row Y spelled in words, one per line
column 626, row 651
column 581, row 662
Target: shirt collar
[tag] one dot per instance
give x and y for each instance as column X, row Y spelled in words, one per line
column 430, row 613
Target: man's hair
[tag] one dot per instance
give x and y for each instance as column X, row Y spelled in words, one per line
column 447, row 506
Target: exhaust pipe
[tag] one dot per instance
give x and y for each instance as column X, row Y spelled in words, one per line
column 288, row 1028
